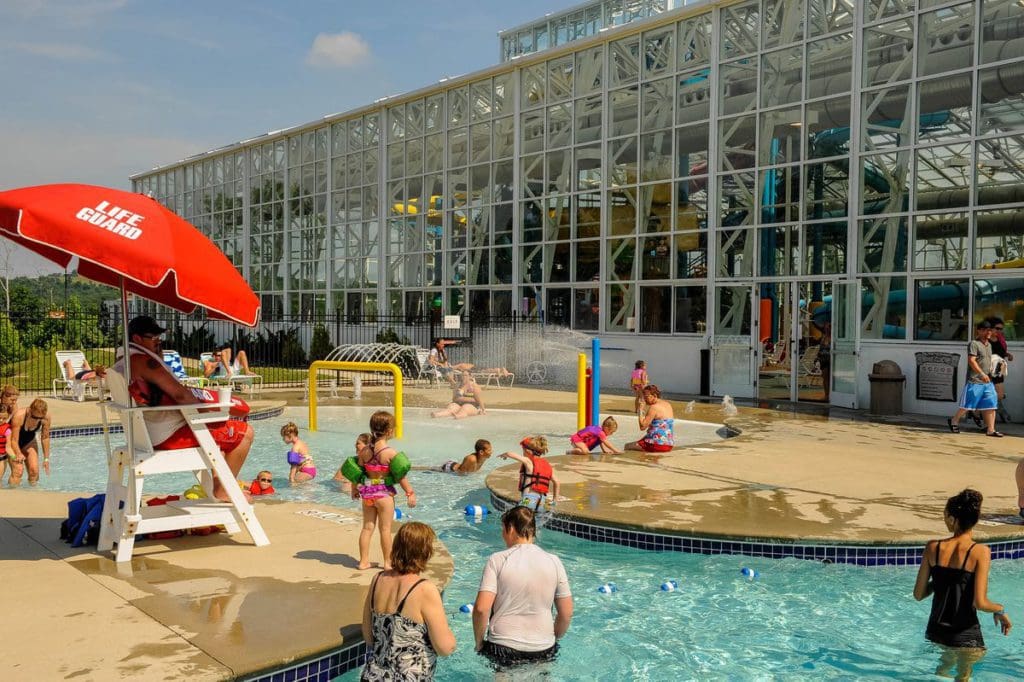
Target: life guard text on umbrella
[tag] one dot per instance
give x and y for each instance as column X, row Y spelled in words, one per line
column 113, row 218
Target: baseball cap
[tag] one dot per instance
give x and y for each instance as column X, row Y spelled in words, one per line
column 142, row 325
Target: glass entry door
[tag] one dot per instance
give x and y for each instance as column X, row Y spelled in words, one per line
column 733, row 355
column 845, row 297
column 776, row 333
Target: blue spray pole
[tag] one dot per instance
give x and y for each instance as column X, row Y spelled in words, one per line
column 595, row 410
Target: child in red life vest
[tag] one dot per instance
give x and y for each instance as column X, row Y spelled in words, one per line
column 586, row 439
column 536, row 477
column 263, row 484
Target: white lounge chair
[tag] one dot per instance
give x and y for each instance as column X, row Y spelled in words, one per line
column 69, row 386
column 254, row 382
column 427, row 371
column 132, row 464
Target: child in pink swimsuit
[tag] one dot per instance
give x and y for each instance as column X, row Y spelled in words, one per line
column 637, row 380
column 302, row 467
column 377, row 496
column 586, row 439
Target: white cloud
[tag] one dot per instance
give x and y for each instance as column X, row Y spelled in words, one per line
column 61, row 51
column 341, row 50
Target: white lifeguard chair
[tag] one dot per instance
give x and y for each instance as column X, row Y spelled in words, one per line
column 124, row 514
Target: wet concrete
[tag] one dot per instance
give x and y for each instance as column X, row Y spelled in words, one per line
column 198, row 608
column 794, row 477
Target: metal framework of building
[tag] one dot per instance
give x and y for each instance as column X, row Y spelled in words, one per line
column 725, row 175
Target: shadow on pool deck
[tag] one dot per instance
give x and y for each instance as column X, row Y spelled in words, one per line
column 201, row 608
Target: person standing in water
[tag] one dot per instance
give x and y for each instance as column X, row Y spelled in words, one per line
column 954, row 572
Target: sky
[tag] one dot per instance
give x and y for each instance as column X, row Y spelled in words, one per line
column 96, row 90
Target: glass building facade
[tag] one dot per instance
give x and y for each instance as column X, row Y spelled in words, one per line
column 732, row 176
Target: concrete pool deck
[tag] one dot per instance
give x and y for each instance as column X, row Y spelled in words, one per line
column 201, row 608
column 789, row 477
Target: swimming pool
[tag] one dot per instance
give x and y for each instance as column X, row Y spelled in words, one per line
column 799, row 620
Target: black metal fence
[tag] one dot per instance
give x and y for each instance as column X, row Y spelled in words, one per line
column 279, row 349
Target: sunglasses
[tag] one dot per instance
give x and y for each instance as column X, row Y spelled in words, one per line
column 999, row 329
column 266, row 480
column 36, row 416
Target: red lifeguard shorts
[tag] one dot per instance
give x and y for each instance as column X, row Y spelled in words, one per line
column 228, row 435
column 653, row 447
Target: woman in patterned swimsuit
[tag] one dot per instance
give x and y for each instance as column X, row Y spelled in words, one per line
column 404, row 623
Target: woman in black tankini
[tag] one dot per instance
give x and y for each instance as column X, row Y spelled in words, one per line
column 954, row 571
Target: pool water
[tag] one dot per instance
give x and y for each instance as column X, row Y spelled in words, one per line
column 798, row 620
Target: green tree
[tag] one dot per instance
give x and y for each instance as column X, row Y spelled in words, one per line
column 321, row 345
column 11, row 348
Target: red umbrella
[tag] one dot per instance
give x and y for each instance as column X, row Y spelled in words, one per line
column 131, row 241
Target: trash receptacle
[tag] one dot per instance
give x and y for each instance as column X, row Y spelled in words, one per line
column 887, row 382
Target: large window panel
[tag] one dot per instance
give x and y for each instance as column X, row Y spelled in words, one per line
column 589, row 70
column 588, row 112
column 622, row 203
column 883, row 311
column 587, row 170
column 588, row 260
column 940, row 242
column 621, row 259
column 621, row 307
column 1000, row 239
column 740, row 29
column 941, row 310
column 1000, row 168
column 944, row 107
column 624, row 61
column 883, row 244
column 587, row 309
column 588, row 214
column 531, row 86
column 889, row 52
column 736, row 138
column 779, row 194
column 659, row 51
column 783, row 22
column 999, row 297
column 735, row 253
column 656, row 104
column 559, row 307
column 657, row 161
column 737, row 193
column 887, row 118
column 885, row 182
column 624, row 105
column 782, row 77
column 780, row 251
column 559, row 125
column 693, row 96
column 943, row 176
column 946, row 39
column 692, row 150
column 691, row 306
column 656, row 310
column 829, row 64
column 826, row 190
column 737, row 87
column 824, row 248
column 691, row 255
column 656, row 257
column 695, row 41
column 998, row 21
column 781, row 136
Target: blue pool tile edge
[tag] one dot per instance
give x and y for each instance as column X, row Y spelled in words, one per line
column 97, row 429
column 321, row 668
column 860, row 554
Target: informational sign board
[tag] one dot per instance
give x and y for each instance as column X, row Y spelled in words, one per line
column 452, row 321
column 937, row 376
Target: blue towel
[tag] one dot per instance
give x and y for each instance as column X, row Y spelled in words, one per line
column 173, row 362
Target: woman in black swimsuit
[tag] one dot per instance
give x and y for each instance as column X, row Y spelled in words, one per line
column 958, row 593
column 28, row 423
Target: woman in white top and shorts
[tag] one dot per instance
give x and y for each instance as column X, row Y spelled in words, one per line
column 513, row 606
